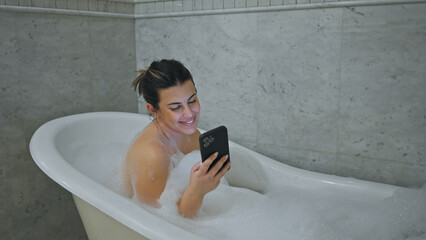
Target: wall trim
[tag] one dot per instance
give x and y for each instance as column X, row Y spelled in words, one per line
column 134, row 15
column 281, row 8
column 64, row 12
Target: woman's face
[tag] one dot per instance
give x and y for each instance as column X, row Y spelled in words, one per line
column 179, row 108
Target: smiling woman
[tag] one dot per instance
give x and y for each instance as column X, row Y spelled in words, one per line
column 169, row 90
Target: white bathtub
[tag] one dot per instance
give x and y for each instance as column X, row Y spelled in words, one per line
column 109, row 215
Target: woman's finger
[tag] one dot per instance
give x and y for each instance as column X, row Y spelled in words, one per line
column 215, row 169
column 224, row 170
column 196, row 167
column 208, row 162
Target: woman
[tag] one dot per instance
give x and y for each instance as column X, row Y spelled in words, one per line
column 171, row 98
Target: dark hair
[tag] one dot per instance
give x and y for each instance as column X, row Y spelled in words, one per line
column 160, row 75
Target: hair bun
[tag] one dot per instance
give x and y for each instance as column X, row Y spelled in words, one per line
column 138, row 80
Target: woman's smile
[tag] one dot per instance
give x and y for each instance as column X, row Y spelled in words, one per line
column 179, row 108
column 190, row 122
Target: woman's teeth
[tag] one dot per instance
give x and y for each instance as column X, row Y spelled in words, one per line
column 189, row 123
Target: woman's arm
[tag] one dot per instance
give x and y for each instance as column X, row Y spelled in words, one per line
column 201, row 182
column 149, row 172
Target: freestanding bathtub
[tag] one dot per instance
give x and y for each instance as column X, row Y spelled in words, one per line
column 108, row 215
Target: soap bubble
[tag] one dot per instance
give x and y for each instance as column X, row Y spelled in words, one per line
column 282, row 211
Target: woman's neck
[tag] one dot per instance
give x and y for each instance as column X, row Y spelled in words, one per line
column 169, row 136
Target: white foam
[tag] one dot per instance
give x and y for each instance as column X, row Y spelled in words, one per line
column 101, row 162
column 283, row 211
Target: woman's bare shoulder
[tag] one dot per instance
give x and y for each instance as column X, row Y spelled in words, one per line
column 147, row 151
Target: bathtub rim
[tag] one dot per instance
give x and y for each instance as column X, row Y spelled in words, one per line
column 44, row 155
column 62, row 172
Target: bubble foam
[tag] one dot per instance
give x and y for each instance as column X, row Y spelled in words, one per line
column 283, row 211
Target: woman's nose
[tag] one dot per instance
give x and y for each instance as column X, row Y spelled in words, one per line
column 187, row 112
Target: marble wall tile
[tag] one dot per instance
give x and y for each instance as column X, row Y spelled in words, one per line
column 10, row 123
column 178, row 6
column 240, row 3
column 224, row 62
column 303, row 1
column 368, row 169
column 62, row 4
column 217, row 4
column 251, row 3
column 310, row 83
column 37, row 3
column 141, row 8
column 298, row 79
column 289, row 2
column 276, row 2
column 168, row 6
column 151, row 7
column 73, row 5
column 48, row 66
column 51, row 67
column 383, row 83
column 158, row 39
column 83, row 5
column 207, row 4
column 93, row 5
column 49, row 3
column 25, row 3
column 382, row 170
column 228, row 4
column 187, row 5
column 125, row 8
column 162, row 39
column 42, row 77
column 35, row 207
column 304, row 159
column 113, row 63
column 12, row 2
column 197, row 5
column 112, row 7
column 159, row 7
column 263, row 3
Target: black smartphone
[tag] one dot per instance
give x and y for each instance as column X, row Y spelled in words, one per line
column 215, row 140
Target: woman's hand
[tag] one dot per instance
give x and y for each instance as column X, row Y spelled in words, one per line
column 202, row 181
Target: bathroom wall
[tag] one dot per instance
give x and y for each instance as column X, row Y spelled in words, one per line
column 338, row 90
column 331, row 88
column 51, row 66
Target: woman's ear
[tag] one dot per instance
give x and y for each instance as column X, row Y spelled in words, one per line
column 151, row 109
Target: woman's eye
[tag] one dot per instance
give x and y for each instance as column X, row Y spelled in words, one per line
column 192, row 102
column 176, row 108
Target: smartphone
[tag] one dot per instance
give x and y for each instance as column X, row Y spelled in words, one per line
column 215, row 140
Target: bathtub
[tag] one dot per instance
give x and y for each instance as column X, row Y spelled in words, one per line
column 108, row 215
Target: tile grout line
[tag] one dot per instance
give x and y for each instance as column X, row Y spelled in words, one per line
column 95, row 95
column 339, row 83
column 257, row 81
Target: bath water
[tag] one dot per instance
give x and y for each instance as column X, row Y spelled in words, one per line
column 282, row 212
